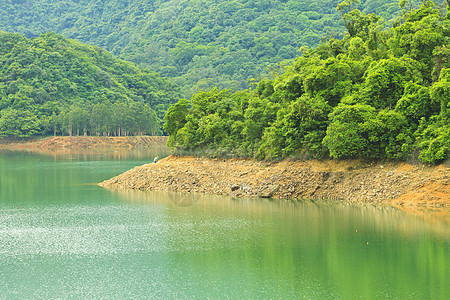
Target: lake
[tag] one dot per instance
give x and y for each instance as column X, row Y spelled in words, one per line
column 62, row 236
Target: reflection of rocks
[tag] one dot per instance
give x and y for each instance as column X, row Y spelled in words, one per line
column 183, row 199
column 354, row 181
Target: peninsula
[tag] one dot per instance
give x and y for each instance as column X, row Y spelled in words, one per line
column 355, row 181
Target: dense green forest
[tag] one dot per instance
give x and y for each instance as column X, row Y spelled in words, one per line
column 200, row 44
column 54, row 85
column 377, row 93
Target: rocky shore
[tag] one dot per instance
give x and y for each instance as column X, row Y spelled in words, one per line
column 352, row 180
column 57, row 143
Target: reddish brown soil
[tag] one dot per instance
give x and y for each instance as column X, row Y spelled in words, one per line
column 356, row 181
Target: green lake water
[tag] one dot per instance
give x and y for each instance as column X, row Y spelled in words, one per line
column 62, row 236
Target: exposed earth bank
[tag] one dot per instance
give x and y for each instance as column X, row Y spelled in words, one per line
column 351, row 180
column 84, row 142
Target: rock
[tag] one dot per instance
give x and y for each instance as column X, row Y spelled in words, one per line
column 288, row 180
column 245, row 187
column 268, row 191
column 235, row 187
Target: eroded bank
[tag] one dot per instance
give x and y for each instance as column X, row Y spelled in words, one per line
column 353, row 181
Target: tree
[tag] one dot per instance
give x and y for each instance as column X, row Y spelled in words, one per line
column 18, row 123
column 119, row 114
column 434, row 140
column 49, row 74
column 419, row 35
column 385, row 80
column 300, row 128
column 440, row 94
column 416, row 103
column 348, row 132
column 385, row 101
column 175, row 119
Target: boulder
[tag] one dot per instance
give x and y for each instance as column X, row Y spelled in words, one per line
column 245, row 187
column 235, row 187
column 268, row 191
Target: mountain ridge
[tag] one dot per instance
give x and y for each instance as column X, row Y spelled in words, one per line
column 200, row 44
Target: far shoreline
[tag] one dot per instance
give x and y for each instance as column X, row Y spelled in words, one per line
column 56, row 143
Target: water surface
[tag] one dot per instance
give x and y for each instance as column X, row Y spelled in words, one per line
column 62, row 236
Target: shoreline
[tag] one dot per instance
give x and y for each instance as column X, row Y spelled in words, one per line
column 58, row 143
column 354, row 181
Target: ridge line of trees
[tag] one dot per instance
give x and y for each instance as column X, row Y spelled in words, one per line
column 199, row 44
column 101, row 119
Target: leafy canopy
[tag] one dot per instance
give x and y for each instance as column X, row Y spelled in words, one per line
column 50, row 77
column 379, row 93
column 201, row 44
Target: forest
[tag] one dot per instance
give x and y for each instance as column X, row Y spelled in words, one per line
column 199, row 44
column 380, row 90
column 54, row 85
column 378, row 93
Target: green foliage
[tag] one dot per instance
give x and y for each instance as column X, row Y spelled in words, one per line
column 201, row 44
column 301, row 127
column 84, row 87
column 379, row 93
column 434, row 140
column 349, row 131
column 175, row 119
column 416, row 103
column 440, row 94
column 18, row 123
column 385, row 80
column 419, row 35
column 389, row 135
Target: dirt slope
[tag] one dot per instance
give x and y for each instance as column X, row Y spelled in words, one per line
column 86, row 142
column 354, row 181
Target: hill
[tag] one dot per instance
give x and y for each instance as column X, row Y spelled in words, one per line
column 51, row 84
column 379, row 93
column 200, row 44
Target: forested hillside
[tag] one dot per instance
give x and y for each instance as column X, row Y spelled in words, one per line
column 200, row 44
column 377, row 93
column 51, row 84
